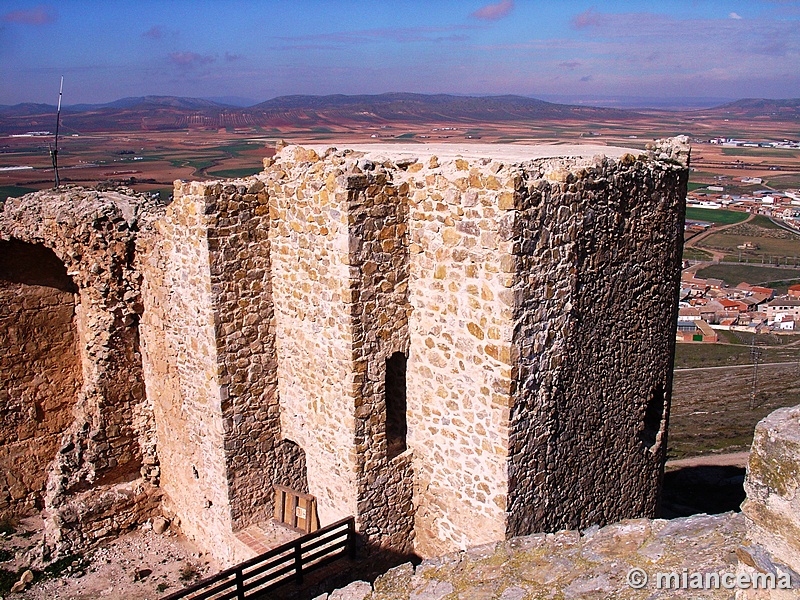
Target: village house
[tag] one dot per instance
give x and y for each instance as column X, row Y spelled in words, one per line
column 696, row 331
column 757, row 289
column 688, row 313
column 784, row 309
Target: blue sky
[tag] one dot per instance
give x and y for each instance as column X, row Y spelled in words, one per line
column 262, row 49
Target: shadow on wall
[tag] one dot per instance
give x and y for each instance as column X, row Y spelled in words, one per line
column 32, row 264
column 704, row 489
column 290, row 466
column 396, row 404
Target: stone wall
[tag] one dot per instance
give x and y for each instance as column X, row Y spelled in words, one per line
column 573, row 565
column 508, row 267
column 108, row 441
column 459, row 359
column 311, row 290
column 378, row 230
column 211, row 363
column 340, row 272
column 530, row 279
column 239, row 254
column 179, row 348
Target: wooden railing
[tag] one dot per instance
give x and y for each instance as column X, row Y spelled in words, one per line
column 278, row 566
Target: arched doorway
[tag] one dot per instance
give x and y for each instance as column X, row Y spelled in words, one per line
column 40, row 370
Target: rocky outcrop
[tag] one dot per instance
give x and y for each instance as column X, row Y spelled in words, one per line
column 772, row 507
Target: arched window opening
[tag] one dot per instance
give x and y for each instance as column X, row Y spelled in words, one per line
column 395, row 386
column 32, row 264
column 654, row 414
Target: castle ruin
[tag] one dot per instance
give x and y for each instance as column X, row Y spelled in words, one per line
column 455, row 345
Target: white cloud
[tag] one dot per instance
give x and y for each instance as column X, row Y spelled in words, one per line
column 733, row 15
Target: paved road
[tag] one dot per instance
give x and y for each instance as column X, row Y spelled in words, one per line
column 783, row 225
column 744, row 366
column 735, row 459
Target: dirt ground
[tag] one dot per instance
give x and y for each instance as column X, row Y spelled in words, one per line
column 140, row 565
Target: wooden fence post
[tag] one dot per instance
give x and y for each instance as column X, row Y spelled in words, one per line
column 351, row 538
column 239, row 584
column 298, row 564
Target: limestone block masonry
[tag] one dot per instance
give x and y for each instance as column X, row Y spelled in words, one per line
column 456, row 345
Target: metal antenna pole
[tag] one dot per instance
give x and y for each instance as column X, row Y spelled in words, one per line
column 755, row 354
column 54, row 149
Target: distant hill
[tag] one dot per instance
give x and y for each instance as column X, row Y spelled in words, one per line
column 399, row 107
column 788, row 109
column 171, row 113
column 164, row 101
column 233, row 100
column 163, row 113
column 27, row 108
column 167, row 113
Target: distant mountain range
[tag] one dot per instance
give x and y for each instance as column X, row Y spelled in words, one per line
column 760, row 107
column 172, row 113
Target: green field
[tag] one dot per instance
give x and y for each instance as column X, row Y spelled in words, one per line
column 236, row 148
column 14, row 191
column 196, row 163
column 764, row 222
column 720, row 216
column 784, row 181
column 235, row 173
column 756, row 152
column 735, row 274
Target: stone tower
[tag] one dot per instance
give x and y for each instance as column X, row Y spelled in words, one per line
column 460, row 343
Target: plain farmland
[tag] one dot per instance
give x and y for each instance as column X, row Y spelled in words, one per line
column 711, row 408
column 734, row 274
column 690, row 356
column 765, row 247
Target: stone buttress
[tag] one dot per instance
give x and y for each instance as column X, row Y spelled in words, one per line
column 210, row 362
